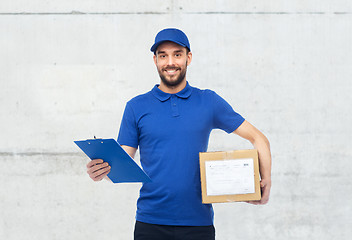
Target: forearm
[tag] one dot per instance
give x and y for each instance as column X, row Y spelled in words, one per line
column 130, row 150
column 261, row 143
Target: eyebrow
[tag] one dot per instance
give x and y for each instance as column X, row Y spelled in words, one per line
column 176, row 51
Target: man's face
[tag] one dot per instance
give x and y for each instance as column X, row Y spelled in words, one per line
column 171, row 61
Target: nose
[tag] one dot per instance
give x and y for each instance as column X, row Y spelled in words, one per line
column 170, row 61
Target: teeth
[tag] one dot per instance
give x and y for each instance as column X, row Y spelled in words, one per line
column 171, row 71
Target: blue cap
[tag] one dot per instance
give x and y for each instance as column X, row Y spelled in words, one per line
column 172, row 35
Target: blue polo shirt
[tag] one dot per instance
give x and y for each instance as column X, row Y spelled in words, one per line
column 170, row 131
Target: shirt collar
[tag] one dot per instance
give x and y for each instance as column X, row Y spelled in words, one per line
column 163, row 96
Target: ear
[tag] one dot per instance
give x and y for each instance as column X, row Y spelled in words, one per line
column 189, row 58
column 155, row 61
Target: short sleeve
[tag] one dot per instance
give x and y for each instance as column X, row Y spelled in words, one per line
column 224, row 117
column 128, row 134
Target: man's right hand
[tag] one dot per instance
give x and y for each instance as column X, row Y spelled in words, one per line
column 98, row 169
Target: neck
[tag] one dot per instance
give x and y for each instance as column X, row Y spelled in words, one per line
column 173, row 89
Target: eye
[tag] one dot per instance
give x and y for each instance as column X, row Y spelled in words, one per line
column 177, row 55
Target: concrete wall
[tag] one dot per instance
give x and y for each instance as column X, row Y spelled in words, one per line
column 68, row 67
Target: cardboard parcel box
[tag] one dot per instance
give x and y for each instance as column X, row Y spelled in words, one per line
column 230, row 176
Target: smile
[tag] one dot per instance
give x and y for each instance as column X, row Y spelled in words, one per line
column 171, row 71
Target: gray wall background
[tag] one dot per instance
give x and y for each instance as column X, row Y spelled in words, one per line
column 68, row 67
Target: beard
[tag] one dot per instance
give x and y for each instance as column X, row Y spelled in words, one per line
column 170, row 81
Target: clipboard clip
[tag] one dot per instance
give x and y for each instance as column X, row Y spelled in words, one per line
column 94, row 139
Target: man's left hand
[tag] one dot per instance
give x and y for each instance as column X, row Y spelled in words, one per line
column 265, row 186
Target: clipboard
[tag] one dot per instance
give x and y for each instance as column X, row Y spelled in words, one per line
column 123, row 167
